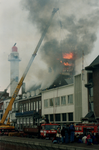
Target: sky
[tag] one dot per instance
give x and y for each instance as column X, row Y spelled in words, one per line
column 74, row 28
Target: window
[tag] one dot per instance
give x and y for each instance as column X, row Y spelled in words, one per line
column 70, row 116
column 64, row 117
column 39, row 104
column 57, row 117
column 91, row 91
column 15, row 106
column 57, row 101
column 46, row 103
column 70, row 99
column 20, row 107
column 63, row 100
column 26, row 106
column 51, row 102
column 51, row 117
column 34, row 106
column 27, row 121
column 31, row 105
column 22, row 120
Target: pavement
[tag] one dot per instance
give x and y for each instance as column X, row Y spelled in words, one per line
column 46, row 142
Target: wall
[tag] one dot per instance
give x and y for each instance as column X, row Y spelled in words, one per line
column 78, row 97
column 58, row 92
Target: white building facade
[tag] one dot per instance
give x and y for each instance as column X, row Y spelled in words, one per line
column 58, row 104
column 66, row 103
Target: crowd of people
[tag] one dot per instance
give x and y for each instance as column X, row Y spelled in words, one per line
column 67, row 135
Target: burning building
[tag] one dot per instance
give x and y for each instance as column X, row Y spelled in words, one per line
column 67, row 62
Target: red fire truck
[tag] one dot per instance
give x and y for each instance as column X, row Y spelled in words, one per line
column 48, row 130
column 85, row 128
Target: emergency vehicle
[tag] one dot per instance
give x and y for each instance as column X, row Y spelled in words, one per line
column 85, row 128
column 48, row 130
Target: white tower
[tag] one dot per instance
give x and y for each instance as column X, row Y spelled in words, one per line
column 14, row 68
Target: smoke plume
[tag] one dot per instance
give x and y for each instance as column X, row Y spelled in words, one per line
column 73, row 29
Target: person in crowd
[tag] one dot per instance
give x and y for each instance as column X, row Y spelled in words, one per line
column 94, row 140
column 97, row 138
column 58, row 135
column 72, row 132
column 89, row 139
column 63, row 134
column 84, row 139
column 54, row 140
column 67, row 134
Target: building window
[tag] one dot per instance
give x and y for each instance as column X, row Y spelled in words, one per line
column 51, row 102
column 14, row 106
column 46, row 103
column 22, row 120
column 70, row 116
column 34, row 106
column 39, row 104
column 57, row 117
column 63, row 100
column 51, row 117
column 64, row 117
column 26, row 106
column 57, row 101
column 70, row 99
column 91, row 92
column 20, row 107
column 29, row 106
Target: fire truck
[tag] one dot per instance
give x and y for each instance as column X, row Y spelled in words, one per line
column 48, row 130
column 85, row 128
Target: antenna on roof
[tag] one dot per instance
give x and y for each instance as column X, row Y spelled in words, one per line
column 14, row 44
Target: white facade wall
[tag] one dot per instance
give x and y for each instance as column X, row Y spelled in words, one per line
column 84, row 94
column 58, row 92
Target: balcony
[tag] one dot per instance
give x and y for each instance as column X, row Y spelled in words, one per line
column 27, row 113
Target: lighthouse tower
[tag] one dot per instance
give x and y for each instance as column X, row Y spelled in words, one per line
column 14, row 68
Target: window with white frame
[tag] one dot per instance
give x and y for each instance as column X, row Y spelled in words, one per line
column 31, row 105
column 63, row 100
column 20, row 108
column 39, row 104
column 46, row 103
column 70, row 99
column 26, row 106
column 34, row 105
column 57, row 101
column 51, row 102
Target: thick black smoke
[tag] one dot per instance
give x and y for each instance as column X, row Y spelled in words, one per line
column 79, row 20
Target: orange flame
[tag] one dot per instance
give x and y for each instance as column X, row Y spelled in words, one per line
column 67, row 64
column 60, row 61
column 67, row 55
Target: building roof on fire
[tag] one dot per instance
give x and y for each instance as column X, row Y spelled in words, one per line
column 60, row 81
column 94, row 64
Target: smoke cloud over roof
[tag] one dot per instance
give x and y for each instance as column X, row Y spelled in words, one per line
column 73, row 29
